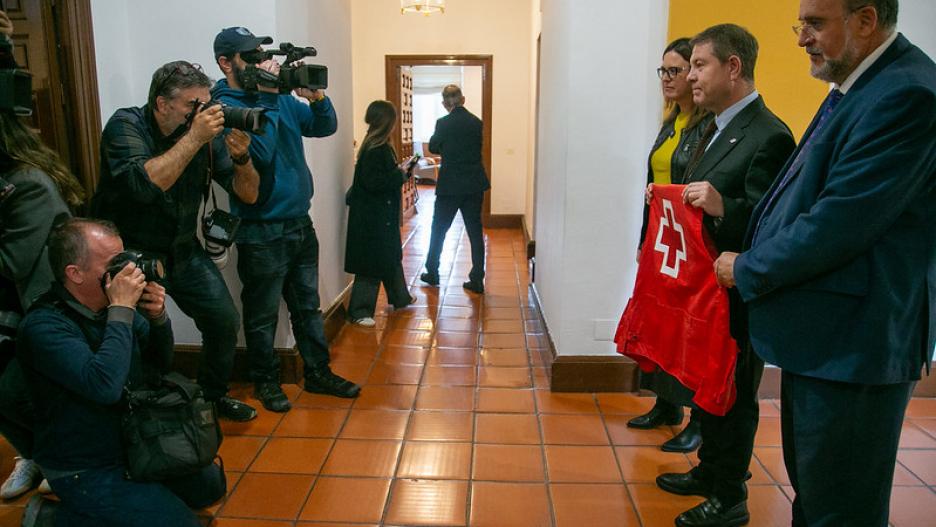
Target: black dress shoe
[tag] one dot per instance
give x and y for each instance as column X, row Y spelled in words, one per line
column 713, row 513
column 684, row 484
column 233, row 410
column 686, row 441
column 430, row 278
column 323, row 380
column 474, row 287
column 272, row 397
column 657, row 416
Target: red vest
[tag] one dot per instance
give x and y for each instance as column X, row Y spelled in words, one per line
column 677, row 318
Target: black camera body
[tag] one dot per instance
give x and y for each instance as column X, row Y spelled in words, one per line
column 220, row 227
column 251, row 120
column 152, row 267
column 291, row 75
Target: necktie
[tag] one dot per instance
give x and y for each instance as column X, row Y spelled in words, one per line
column 706, row 138
column 825, row 111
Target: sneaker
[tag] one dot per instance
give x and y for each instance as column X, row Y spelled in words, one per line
column 474, row 287
column 39, row 512
column 234, row 410
column 24, row 477
column 366, row 322
column 44, row 487
column 272, row 397
column 323, row 380
column 430, row 278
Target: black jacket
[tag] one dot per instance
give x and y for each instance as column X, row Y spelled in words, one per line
column 373, row 247
column 457, row 138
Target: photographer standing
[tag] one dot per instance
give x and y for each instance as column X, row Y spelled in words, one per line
column 155, row 165
column 276, row 246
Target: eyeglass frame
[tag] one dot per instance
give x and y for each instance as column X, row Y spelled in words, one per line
column 669, row 72
column 811, row 28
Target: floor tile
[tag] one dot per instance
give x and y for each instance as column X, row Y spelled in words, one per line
column 346, row 500
column 452, row 357
column 386, row 373
column 238, row 452
column 592, row 505
column 375, row 424
column 268, row 496
column 433, row 503
column 402, row 337
column 513, row 504
column 315, row 400
column 502, row 326
column 505, row 400
column 658, row 508
column 507, row 429
column 362, row 457
column 263, row 425
column 397, row 354
column 441, row 426
column 445, row 398
column 508, row 463
column 237, row 522
column 435, row 460
column 292, row 455
column 641, row 464
column 769, row 506
column 581, row 464
column 386, row 397
column 912, row 506
column 311, row 422
column 450, row 376
column 921, row 462
column 504, row 357
column 768, row 432
column 456, row 340
column 503, row 340
column 622, row 435
column 457, row 324
column 624, row 403
column 559, row 429
column 911, row 436
column 921, row 407
column 492, row 377
column 772, row 459
column 565, row 403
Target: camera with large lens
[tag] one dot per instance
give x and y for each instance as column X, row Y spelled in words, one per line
column 293, row 73
column 152, row 267
column 219, row 229
column 251, row 120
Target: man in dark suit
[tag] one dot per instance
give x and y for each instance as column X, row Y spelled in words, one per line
column 738, row 158
column 839, row 273
column 461, row 186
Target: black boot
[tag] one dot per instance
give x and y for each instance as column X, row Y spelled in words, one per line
column 662, row 413
column 322, row 380
column 688, row 440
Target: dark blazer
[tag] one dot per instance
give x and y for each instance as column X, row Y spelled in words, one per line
column 741, row 164
column 373, row 247
column 457, row 138
column 840, row 277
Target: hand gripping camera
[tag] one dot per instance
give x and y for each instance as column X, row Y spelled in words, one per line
column 151, row 266
column 251, row 120
column 291, row 75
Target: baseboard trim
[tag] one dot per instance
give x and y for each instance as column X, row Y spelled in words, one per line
column 187, row 356
column 504, row 221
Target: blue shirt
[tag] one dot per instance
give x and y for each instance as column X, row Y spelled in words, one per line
column 722, row 119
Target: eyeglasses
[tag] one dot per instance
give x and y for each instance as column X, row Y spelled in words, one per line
column 670, row 72
column 185, row 68
column 810, row 28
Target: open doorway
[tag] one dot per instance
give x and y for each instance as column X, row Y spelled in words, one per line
column 414, row 84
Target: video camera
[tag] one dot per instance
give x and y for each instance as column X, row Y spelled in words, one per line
column 291, row 75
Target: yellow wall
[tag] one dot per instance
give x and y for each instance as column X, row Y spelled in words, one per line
column 782, row 74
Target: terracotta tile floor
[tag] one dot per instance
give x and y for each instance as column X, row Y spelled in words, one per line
column 456, row 426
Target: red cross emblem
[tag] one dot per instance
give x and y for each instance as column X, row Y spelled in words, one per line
column 670, row 236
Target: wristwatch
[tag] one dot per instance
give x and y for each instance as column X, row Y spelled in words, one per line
column 242, row 159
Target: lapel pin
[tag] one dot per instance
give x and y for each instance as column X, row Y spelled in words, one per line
column 733, row 140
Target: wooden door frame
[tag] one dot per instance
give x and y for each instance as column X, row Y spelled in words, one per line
column 393, row 63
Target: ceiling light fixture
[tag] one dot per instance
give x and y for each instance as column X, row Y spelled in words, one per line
column 425, row 7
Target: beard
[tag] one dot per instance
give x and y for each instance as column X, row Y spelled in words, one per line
column 240, row 75
column 836, row 70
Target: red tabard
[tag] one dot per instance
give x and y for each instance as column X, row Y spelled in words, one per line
column 677, row 319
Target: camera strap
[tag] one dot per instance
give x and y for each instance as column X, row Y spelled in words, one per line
column 209, row 188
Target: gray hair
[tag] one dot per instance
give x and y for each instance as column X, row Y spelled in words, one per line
column 452, row 96
column 886, row 10
column 175, row 76
column 728, row 40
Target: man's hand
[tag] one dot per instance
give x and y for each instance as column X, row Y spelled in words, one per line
column 6, row 25
column 724, row 269
column 237, row 142
column 153, row 300
column 311, row 95
column 270, row 66
column 125, row 288
column 207, row 124
column 701, row 194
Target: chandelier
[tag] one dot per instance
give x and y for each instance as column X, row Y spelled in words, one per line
column 425, row 7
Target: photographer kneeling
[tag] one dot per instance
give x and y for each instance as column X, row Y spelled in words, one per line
column 156, row 162
column 82, row 345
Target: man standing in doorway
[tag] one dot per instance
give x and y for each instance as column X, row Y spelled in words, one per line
column 462, row 183
column 839, row 270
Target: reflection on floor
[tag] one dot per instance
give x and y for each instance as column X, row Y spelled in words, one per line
column 456, row 426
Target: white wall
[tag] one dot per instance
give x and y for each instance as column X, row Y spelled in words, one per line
column 599, row 113
column 915, row 20
column 476, row 27
column 134, row 37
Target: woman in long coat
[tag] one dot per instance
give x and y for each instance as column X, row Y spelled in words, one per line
column 373, row 250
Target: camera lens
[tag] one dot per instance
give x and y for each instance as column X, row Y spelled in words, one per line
column 250, row 120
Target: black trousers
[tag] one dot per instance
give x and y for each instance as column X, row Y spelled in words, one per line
column 840, row 446
column 16, row 409
column 442, row 217
column 365, row 289
column 728, row 441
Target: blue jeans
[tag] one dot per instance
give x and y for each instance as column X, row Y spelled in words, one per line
column 198, row 288
column 105, row 497
column 442, row 216
column 274, row 260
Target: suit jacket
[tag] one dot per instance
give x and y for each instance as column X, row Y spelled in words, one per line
column 741, row 164
column 840, row 277
column 457, row 138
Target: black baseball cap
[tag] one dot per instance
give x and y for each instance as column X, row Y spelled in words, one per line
column 233, row 40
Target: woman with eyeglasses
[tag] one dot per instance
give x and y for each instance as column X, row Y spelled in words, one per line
column 680, row 134
column 373, row 252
